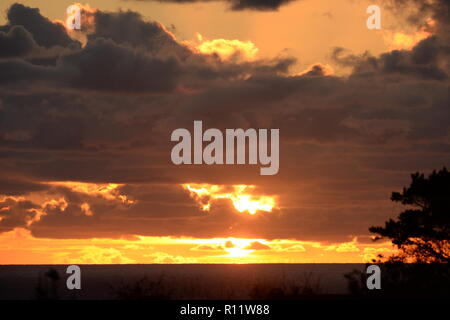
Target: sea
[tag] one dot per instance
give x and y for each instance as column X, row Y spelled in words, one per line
column 175, row 281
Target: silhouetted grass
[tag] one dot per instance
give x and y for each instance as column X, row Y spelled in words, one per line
column 142, row 289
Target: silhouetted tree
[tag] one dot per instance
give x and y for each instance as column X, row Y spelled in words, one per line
column 421, row 232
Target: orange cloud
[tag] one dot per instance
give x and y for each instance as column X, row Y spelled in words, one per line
column 163, row 257
column 60, row 204
column 108, row 191
column 344, row 247
column 256, row 245
column 86, row 208
column 241, row 196
column 293, row 248
column 226, row 49
column 399, row 40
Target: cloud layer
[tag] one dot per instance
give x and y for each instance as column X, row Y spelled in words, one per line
column 102, row 113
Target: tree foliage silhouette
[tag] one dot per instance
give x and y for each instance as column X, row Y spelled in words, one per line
column 422, row 231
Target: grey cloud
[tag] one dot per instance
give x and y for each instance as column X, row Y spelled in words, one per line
column 45, row 32
column 263, row 5
column 17, row 42
column 426, row 60
column 239, row 5
column 128, row 27
column 22, row 73
column 419, row 9
column 125, row 54
column 106, row 66
column 96, row 68
column 15, row 186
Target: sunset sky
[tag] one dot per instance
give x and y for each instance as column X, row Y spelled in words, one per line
column 86, row 118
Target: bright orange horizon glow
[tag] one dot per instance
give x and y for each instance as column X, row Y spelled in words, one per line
column 19, row 246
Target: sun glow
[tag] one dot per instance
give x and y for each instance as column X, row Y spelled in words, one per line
column 19, row 246
column 231, row 247
column 405, row 41
column 226, row 49
column 240, row 195
column 238, row 248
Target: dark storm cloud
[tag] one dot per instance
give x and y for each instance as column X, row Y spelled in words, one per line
column 346, row 142
column 94, row 67
column 45, row 32
column 418, row 9
column 101, row 66
column 17, row 42
column 21, row 73
column 427, row 60
column 238, row 5
column 106, row 66
column 263, row 5
column 422, row 62
column 123, row 55
column 16, row 186
column 161, row 218
column 128, row 27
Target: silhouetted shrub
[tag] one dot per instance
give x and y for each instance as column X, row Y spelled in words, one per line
column 263, row 290
column 404, row 280
column 142, row 289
